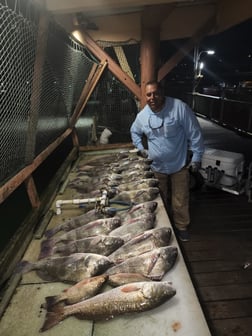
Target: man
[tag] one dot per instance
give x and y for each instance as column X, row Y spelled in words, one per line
column 171, row 130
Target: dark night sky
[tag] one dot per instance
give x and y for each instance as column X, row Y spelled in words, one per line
column 233, row 50
column 232, row 62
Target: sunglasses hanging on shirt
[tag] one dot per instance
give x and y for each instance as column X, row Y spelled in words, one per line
column 155, row 122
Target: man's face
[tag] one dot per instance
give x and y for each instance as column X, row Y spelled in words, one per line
column 154, row 97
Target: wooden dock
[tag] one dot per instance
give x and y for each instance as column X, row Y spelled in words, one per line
column 219, row 253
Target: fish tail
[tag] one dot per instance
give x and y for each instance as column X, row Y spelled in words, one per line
column 51, row 301
column 46, row 249
column 53, row 317
column 24, row 267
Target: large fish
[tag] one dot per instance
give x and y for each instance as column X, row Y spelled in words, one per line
column 95, row 228
column 141, row 184
column 75, row 222
column 78, row 292
column 133, row 297
column 138, row 210
column 101, row 244
column 72, row 269
column 137, row 196
column 134, row 226
column 142, row 243
column 153, row 264
column 136, row 175
column 85, row 183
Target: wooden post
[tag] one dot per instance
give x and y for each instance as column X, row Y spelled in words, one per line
column 152, row 19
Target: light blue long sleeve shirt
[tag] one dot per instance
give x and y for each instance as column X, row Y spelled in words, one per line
column 170, row 133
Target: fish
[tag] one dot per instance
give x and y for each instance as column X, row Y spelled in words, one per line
column 137, row 196
column 85, row 183
column 125, row 299
column 71, row 269
column 80, row 291
column 95, row 228
column 138, row 209
column 142, row 243
column 141, row 184
column 120, row 279
column 134, row 226
column 153, row 264
column 75, row 222
column 135, row 175
column 101, row 244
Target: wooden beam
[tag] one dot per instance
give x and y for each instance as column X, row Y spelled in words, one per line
column 153, row 16
column 186, row 48
column 32, row 192
column 89, row 90
column 148, row 57
column 112, row 65
column 83, row 95
column 15, row 249
column 151, row 20
column 21, row 176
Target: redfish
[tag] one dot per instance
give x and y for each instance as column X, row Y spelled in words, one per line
column 130, row 298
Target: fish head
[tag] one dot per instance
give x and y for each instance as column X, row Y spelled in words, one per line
column 157, row 291
column 151, row 206
column 169, row 254
column 162, row 235
column 154, row 191
column 114, row 222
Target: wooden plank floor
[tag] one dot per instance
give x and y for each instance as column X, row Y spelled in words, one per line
column 219, row 253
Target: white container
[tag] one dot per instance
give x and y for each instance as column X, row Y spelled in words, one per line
column 226, row 167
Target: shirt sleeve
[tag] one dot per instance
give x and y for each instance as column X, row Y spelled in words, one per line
column 136, row 134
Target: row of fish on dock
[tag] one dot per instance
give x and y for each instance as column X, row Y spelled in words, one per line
column 124, row 250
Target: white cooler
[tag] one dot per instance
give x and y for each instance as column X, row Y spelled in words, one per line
column 222, row 167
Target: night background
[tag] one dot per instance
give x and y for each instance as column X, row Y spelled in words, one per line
column 224, row 73
column 228, row 72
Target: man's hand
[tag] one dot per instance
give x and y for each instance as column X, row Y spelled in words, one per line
column 143, row 153
column 194, row 166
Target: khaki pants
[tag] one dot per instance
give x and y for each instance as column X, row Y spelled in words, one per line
column 174, row 190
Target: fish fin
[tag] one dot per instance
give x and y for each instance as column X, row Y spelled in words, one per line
column 23, row 267
column 53, row 317
column 130, row 288
column 46, row 249
column 51, row 301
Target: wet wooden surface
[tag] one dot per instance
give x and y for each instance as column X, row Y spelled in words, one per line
column 219, row 253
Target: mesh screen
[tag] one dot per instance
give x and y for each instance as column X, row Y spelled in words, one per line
column 64, row 73
column 26, row 130
column 17, row 53
column 110, row 106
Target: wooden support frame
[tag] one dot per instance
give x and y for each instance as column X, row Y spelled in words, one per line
column 32, row 192
column 83, row 95
column 15, row 249
column 87, row 91
column 26, row 172
column 113, row 67
column 152, row 18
